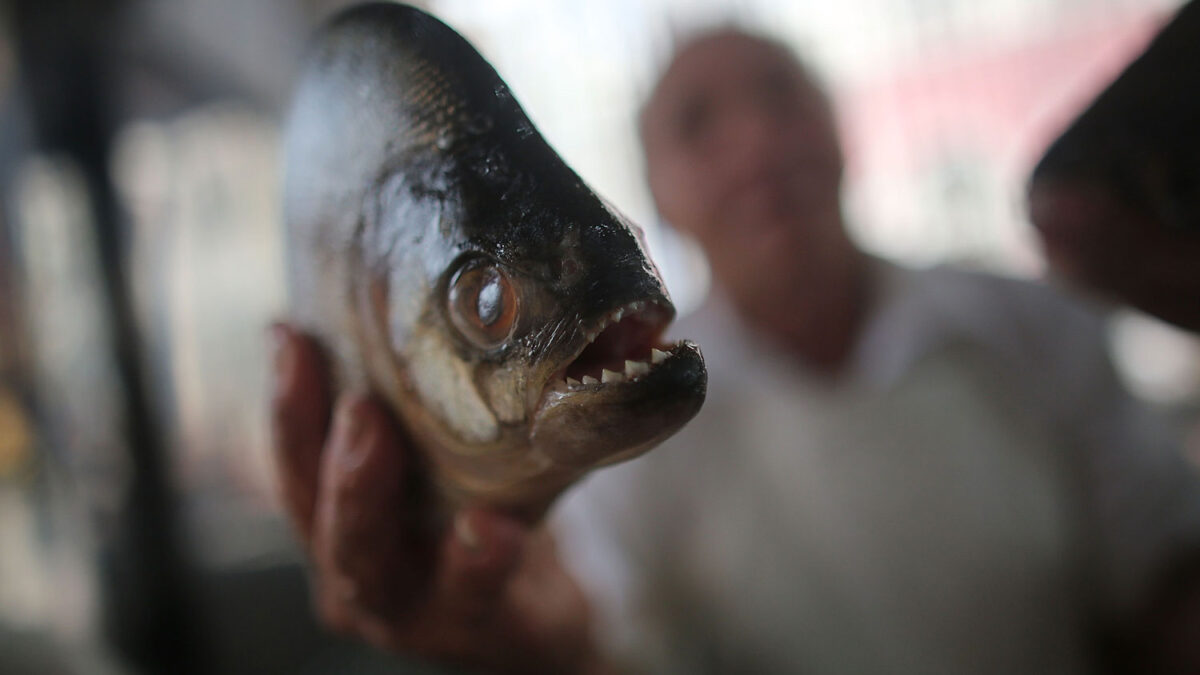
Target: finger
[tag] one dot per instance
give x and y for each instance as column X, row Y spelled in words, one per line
column 367, row 549
column 550, row 598
column 300, row 412
column 479, row 557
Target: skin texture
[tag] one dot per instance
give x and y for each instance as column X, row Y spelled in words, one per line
column 451, row 262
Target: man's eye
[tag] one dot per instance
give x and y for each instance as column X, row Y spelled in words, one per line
column 694, row 120
column 482, row 304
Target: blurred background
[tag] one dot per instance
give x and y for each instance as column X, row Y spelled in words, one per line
column 139, row 152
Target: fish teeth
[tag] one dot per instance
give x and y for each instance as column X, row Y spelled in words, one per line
column 615, row 316
column 572, row 382
column 635, row 368
column 657, row 356
column 608, row 377
column 588, row 379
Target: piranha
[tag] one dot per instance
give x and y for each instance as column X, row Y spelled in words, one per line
column 452, row 262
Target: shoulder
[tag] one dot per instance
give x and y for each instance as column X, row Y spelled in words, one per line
column 996, row 299
column 1022, row 317
column 1028, row 330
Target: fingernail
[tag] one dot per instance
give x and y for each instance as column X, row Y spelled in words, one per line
column 351, row 420
column 465, row 532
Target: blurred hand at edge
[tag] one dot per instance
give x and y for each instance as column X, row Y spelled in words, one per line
column 486, row 592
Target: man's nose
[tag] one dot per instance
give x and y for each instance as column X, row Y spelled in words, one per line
column 751, row 131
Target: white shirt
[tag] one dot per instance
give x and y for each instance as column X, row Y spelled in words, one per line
column 969, row 498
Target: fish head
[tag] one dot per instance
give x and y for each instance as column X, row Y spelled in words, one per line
column 451, row 258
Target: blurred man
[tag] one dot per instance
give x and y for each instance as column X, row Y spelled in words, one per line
column 896, row 470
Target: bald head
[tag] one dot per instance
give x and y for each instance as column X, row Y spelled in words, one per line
column 742, row 153
column 708, row 45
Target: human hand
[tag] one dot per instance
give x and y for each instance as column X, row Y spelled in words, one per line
column 484, row 592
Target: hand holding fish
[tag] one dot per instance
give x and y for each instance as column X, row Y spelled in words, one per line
column 487, row 593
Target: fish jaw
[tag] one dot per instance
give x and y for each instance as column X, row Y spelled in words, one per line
column 621, row 392
column 586, row 424
column 577, row 428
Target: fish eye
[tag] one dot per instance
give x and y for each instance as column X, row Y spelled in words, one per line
column 483, row 305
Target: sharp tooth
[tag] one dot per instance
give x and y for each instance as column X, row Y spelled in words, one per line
column 658, row 356
column 572, row 382
column 588, row 379
column 616, row 316
column 635, row 368
column 607, row 376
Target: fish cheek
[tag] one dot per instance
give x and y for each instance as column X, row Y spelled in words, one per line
column 505, row 388
column 420, row 358
column 399, row 306
column 446, row 385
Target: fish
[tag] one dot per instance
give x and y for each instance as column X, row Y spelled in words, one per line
column 449, row 260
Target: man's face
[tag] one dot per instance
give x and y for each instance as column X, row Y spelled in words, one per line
column 742, row 154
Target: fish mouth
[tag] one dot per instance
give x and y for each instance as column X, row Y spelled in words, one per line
column 624, row 390
column 622, row 345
